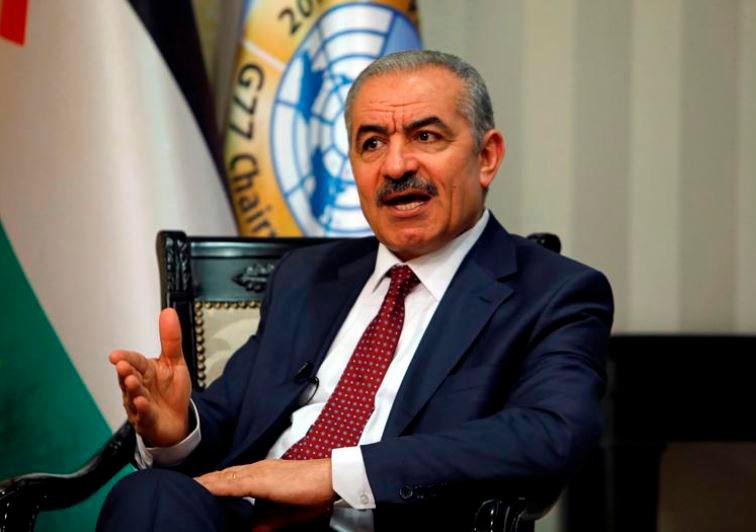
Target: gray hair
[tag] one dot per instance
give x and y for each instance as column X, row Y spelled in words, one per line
column 475, row 103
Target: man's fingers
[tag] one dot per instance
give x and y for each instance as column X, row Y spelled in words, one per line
column 128, row 405
column 170, row 336
column 230, row 482
column 143, row 407
column 125, row 371
column 134, row 387
column 229, row 474
column 136, row 360
column 210, row 481
column 140, row 409
column 136, row 396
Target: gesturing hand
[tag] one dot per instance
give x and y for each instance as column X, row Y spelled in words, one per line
column 156, row 390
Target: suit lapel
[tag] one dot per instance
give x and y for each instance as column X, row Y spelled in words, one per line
column 328, row 308
column 325, row 309
column 478, row 288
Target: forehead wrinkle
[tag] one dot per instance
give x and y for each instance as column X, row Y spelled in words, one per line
column 382, row 104
column 392, row 118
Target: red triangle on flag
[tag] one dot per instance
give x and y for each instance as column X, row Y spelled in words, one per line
column 13, row 20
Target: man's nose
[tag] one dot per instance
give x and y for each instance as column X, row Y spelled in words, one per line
column 399, row 161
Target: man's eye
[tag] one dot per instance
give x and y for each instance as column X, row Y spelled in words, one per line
column 371, row 144
column 427, row 136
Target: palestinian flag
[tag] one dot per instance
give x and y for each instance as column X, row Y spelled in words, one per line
column 106, row 137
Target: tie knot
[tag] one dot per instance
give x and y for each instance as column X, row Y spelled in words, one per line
column 403, row 280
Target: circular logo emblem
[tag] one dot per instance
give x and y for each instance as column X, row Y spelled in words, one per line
column 309, row 141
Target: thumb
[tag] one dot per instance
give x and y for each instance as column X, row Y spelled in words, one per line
column 170, row 336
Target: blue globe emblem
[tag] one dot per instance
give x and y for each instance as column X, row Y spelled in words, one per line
column 309, row 142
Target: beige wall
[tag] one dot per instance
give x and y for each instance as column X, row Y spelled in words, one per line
column 631, row 129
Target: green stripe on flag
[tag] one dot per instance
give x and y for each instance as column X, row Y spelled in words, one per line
column 49, row 421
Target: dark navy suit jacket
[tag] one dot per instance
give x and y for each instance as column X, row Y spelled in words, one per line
column 503, row 389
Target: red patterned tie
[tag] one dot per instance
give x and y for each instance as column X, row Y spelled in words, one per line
column 346, row 412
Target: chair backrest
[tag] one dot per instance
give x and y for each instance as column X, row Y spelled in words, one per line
column 217, row 284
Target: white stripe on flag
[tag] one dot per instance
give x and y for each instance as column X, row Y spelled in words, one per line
column 98, row 151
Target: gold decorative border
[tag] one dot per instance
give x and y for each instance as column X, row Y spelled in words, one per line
column 199, row 329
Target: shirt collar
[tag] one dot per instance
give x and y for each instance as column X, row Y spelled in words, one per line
column 435, row 270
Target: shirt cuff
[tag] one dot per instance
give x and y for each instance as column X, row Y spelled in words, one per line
column 169, row 456
column 349, row 478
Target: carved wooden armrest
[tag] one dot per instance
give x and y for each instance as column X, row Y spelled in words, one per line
column 23, row 497
column 514, row 514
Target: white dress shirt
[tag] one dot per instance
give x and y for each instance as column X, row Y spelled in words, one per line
column 435, row 271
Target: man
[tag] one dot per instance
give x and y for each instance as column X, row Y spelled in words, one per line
column 478, row 363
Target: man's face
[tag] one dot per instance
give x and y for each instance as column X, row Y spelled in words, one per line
column 420, row 180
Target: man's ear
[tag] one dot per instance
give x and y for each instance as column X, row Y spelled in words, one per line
column 491, row 155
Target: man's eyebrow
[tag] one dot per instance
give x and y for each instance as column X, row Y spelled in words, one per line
column 412, row 126
column 425, row 122
column 370, row 128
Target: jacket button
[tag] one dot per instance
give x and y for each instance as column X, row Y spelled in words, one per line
column 406, row 492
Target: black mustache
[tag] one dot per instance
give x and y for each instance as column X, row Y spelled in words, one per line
column 405, row 183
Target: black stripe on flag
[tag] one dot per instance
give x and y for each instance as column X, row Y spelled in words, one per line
column 174, row 30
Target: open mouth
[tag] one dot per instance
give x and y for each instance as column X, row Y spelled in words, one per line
column 406, row 201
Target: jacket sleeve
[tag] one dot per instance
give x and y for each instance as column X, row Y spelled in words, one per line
column 550, row 419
